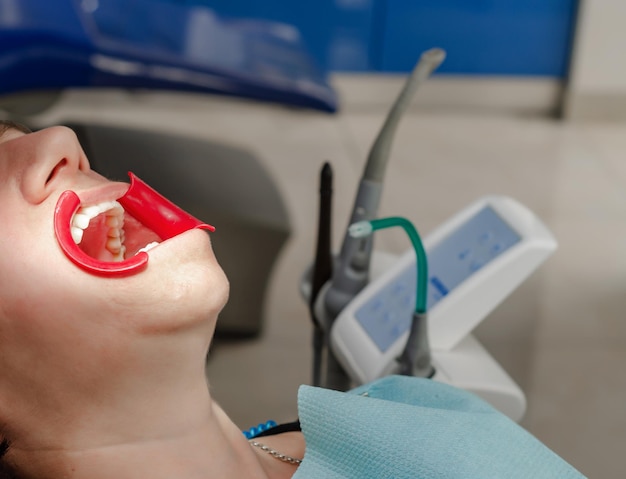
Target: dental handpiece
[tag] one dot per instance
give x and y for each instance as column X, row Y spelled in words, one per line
column 351, row 271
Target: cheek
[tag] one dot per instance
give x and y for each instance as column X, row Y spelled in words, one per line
column 27, row 242
column 59, row 332
column 36, row 280
column 36, row 320
column 37, row 295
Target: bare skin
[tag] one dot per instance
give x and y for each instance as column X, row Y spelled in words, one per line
column 101, row 377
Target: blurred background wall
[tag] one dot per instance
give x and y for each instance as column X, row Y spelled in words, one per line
column 567, row 52
column 597, row 80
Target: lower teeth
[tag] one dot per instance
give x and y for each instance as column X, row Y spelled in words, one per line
column 148, row 247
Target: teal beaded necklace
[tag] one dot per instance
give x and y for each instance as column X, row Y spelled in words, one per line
column 255, row 431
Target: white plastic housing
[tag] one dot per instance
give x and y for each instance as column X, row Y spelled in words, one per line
column 457, row 313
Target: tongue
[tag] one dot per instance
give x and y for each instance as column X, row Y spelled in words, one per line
column 144, row 204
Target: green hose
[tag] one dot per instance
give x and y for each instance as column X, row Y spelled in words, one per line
column 365, row 228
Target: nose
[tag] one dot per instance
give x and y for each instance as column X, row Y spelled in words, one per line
column 54, row 158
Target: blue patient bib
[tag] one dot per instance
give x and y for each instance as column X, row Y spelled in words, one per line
column 401, row 427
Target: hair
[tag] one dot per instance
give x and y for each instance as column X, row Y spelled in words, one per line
column 7, row 471
column 12, row 125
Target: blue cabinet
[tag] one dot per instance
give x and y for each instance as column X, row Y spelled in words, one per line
column 482, row 37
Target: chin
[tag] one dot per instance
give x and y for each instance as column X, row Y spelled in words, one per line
column 187, row 272
column 182, row 287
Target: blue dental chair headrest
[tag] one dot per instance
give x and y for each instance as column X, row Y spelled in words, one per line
column 154, row 44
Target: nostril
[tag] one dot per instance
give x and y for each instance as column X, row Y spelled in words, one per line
column 57, row 168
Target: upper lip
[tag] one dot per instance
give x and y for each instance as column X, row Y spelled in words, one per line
column 108, row 192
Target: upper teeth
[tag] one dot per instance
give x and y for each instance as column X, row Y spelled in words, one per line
column 114, row 220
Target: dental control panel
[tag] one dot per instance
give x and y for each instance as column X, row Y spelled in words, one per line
column 475, row 260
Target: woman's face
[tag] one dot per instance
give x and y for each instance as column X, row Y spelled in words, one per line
column 66, row 334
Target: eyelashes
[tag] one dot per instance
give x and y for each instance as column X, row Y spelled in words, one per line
column 4, row 448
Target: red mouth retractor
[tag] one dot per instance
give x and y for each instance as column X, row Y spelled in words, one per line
column 140, row 201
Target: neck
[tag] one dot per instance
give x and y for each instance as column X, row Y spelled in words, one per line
column 214, row 447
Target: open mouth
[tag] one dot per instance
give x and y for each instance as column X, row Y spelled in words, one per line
column 112, row 238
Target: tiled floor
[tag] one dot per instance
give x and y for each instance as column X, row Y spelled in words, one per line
column 561, row 335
